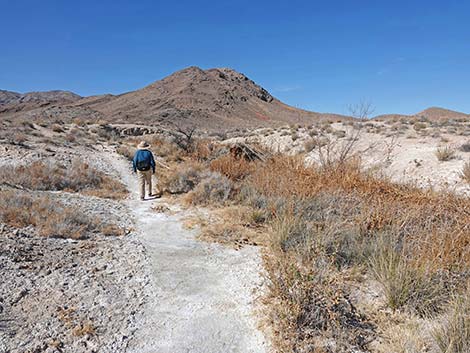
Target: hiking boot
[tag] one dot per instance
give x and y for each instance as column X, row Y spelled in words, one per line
column 142, row 198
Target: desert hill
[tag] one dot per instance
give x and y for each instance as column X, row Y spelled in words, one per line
column 213, row 100
column 432, row 113
column 441, row 113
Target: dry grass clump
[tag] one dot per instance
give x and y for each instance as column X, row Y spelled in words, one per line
column 418, row 126
column 182, row 179
column 213, row 188
column 405, row 337
column 233, row 168
column 84, row 329
column 126, row 151
column 234, row 225
column 51, row 218
column 406, row 285
column 57, row 128
column 77, row 177
column 453, row 335
column 466, row 172
column 445, row 153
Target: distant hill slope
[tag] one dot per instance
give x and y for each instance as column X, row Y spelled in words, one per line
column 213, row 99
column 15, row 102
column 441, row 113
column 433, row 113
column 7, row 97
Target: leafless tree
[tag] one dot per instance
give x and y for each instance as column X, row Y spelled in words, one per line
column 184, row 136
column 336, row 153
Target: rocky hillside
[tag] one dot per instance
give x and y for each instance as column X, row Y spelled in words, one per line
column 211, row 99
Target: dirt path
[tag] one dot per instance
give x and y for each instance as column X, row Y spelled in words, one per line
column 201, row 298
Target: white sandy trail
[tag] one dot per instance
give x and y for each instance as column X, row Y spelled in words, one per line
column 201, row 295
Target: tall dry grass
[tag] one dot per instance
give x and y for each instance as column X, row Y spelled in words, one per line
column 453, row 334
column 233, row 168
column 327, row 223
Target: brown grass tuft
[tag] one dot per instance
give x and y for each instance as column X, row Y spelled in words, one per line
column 453, row 335
column 233, row 168
column 445, row 153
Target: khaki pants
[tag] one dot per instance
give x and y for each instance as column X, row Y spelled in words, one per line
column 145, row 177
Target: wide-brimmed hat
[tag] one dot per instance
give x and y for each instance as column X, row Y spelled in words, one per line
column 143, row 145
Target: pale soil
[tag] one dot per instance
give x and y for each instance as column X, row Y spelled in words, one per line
column 52, row 288
column 406, row 157
column 201, row 297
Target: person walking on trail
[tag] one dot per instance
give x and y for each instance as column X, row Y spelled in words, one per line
column 144, row 166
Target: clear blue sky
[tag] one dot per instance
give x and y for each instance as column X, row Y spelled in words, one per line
column 402, row 56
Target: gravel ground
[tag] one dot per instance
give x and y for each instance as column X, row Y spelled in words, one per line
column 62, row 295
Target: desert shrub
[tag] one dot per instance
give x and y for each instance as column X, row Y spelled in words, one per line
column 79, row 122
column 313, row 132
column 339, row 133
column 233, row 168
column 453, row 334
column 309, row 145
column 309, row 300
column 419, row 126
column 78, row 177
column 77, row 132
column 165, row 149
column 465, row 147
column 213, row 188
column 445, row 153
column 57, row 128
column 182, row 179
column 126, row 151
column 70, row 138
column 451, row 130
column 18, row 138
column 466, row 172
column 108, row 133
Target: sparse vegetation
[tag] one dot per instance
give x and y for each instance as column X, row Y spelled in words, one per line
column 51, row 218
column 233, row 168
column 77, row 177
column 453, row 335
column 213, row 188
column 445, row 153
column 418, row 126
column 466, row 172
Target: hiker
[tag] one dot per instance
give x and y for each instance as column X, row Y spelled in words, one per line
column 144, row 166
